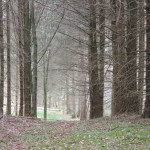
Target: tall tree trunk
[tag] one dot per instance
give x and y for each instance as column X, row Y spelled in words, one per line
column 17, row 75
column 1, row 60
column 45, row 88
column 119, row 59
column 122, row 93
column 83, row 107
column 45, row 81
column 67, row 96
column 73, row 96
column 95, row 99
column 8, row 61
column 83, row 102
column 114, row 108
column 27, row 59
column 21, row 60
column 79, row 105
column 146, row 113
column 133, row 101
column 141, row 15
column 102, row 53
column 34, row 96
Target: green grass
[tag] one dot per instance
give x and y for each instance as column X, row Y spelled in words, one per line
column 111, row 135
column 4, row 141
column 52, row 116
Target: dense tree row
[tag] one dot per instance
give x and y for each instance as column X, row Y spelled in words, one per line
column 97, row 49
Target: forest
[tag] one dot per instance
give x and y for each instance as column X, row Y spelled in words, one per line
column 74, row 74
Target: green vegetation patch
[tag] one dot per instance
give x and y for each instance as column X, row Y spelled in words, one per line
column 4, row 141
column 96, row 135
column 51, row 116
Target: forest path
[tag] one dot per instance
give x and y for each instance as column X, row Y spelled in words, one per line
column 106, row 133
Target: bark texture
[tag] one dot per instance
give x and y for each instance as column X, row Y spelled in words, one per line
column 114, row 107
column 141, row 20
column 27, row 59
column 146, row 113
column 1, row 60
column 95, row 99
column 119, row 59
column 8, row 61
column 34, row 88
column 21, row 60
column 102, row 53
column 133, row 102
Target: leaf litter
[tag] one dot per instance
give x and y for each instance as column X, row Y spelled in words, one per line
column 122, row 132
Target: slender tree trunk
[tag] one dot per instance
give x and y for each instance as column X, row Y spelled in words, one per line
column 114, row 108
column 45, row 88
column 95, row 99
column 102, row 53
column 30, row 58
column 21, row 60
column 1, row 60
column 34, row 96
column 27, row 59
column 8, row 61
column 83, row 102
column 79, row 106
column 17, row 75
column 45, row 101
column 49, row 101
column 133, row 101
column 73, row 97
column 146, row 113
column 122, row 93
column 46, row 73
column 141, row 15
column 45, row 81
column 67, row 95
column 119, row 59
column 83, row 108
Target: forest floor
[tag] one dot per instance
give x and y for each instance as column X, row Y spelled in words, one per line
column 118, row 133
